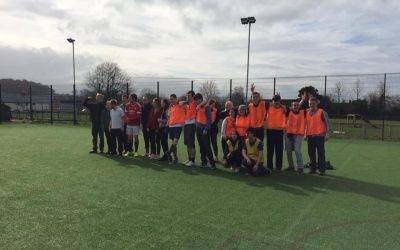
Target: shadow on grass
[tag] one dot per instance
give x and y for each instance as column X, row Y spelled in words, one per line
column 289, row 182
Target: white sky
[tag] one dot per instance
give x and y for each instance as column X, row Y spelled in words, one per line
column 198, row 38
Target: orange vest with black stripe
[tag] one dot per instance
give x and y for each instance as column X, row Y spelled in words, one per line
column 257, row 114
column 176, row 115
column 242, row 123
column 191, row 111
column 201, row 117
column 276, row 118
column 296, row 123
column 230, row 126
column 315, row 124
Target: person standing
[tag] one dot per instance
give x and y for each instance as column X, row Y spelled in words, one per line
column 276, row 123
column 116, row 128
column 176, row 121
column 163, row 129
column 133, row 112
column 214, row 129
column 242, row 122
column 106, row 125
column 252, row 153
column 317, row 132
column 257, row 113
column 227, row 129
column 222, row 115
column 147, row 106
column 127, row 144
column 96, row 108
column 189, row 130
column 204, row 119
column 152, row 128
column 295, row 128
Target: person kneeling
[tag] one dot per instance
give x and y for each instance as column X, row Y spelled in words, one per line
column 253, row 158
column 233, row 154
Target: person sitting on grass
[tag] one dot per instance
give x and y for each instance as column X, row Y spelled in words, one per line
column 253, row 158
column 116, row 128
column 317, row 132
column 233, row 154
column 96, row 108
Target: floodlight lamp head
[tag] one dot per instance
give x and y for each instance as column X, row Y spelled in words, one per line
column 70, row 40
column 244, row 20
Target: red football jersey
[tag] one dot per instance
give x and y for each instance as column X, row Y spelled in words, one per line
column 132, row 114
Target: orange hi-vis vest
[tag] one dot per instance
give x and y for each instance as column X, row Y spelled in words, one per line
column 191, row 111
column 276, row 118
column 315, row 124
column 230, row 126
column 296, row 123
column 176, row 115
column 201, row 117
column 242, row 123
column 257, row 114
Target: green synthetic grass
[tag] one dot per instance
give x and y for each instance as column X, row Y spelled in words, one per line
column 53, row 194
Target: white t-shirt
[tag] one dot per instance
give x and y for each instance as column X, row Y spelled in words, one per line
column 116, row 118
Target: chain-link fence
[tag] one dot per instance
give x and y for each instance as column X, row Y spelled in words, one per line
column 360, row 105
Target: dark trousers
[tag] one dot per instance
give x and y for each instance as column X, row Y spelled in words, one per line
column 146, row 138
column 108, row 139
column 316, row 146
column 213, row 138
column 163, row 135
column 261, row 171
column 259, row 133
column 116, row 139
column 235, row 159
column 274, row 145
column 224, row 147
column 204, row 141
column 155, row 141
column 97, row 132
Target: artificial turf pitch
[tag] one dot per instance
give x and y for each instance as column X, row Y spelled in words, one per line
column 53, row 194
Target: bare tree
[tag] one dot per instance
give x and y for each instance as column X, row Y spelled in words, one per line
column 238, row 96
column 338, row 91
column 108, row 77
column 209, row 90
column 148, row 93
column 357, row 89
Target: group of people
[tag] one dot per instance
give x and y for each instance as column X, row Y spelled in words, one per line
column 242, row 130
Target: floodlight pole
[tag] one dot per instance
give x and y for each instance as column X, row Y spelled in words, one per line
column 248, row 63
column 70, row 40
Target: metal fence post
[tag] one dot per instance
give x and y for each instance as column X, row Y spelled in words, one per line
column 325, row 80
column 108, row 92
column 230, row 89
column 30, row 103
column 191, row 85
column 384, row 107
column 51, row 104
column 74, row 89
column 127, row 88
column 274, row 85
column 158, row 89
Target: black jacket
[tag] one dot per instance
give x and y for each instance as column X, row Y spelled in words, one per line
column 145, row 113
column 96, row 111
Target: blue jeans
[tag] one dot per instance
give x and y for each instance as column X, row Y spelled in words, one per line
column 316, row 146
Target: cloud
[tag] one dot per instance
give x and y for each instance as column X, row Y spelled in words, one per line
column 43, row 65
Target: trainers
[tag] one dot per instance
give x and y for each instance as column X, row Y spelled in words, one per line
column 189, row 164
column 136, row 154
column 321, row 173
column 93, row 152
column 291, row 169
column 203, row 165
column 185, row 162
column 300, row 171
